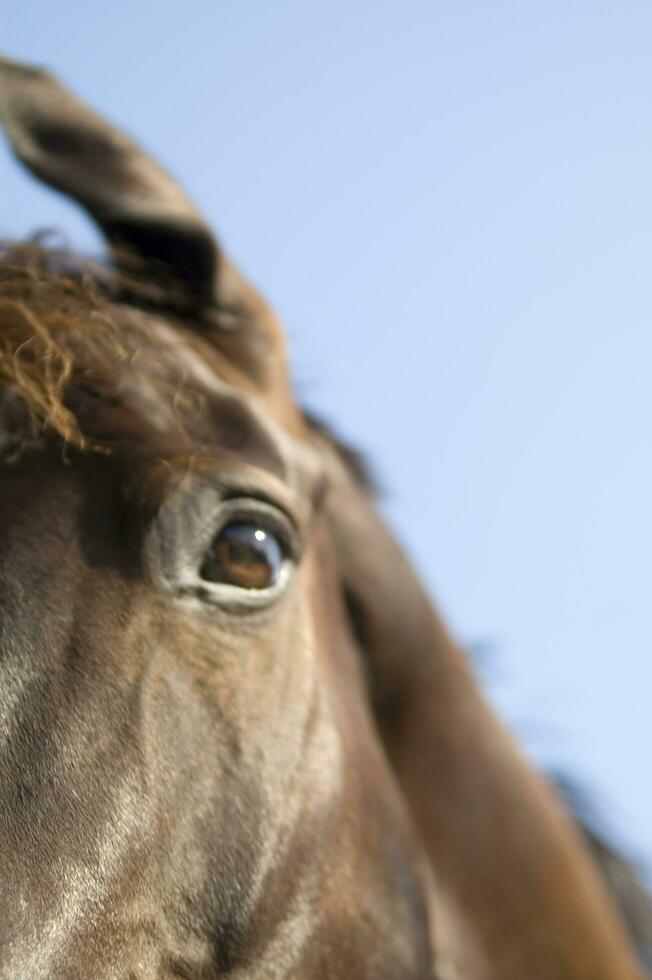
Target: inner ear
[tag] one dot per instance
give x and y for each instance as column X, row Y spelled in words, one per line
column 190, row 255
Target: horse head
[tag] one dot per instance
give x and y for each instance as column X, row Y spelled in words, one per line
column 235, row 737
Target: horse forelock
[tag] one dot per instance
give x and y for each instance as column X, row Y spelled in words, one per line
column 82, row 365
column 87, row 364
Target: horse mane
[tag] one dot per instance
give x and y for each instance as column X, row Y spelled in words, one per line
column 621, row 874
column 354, row 461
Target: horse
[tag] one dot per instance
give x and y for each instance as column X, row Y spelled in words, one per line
column 236, row 738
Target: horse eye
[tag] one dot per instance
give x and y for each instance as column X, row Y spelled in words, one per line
column 246, row 555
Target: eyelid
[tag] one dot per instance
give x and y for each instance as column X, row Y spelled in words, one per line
column 173, row 479
column 250, row 483
column 266, row 500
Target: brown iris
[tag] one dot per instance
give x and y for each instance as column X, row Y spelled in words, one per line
column 244, row 554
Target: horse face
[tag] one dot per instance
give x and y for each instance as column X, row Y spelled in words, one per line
column 191, row 782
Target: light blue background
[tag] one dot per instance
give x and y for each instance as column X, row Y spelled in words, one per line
column 450, row 204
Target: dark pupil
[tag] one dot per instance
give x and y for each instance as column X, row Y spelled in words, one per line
column 246, row 555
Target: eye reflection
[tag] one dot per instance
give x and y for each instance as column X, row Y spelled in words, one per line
column 246, row 555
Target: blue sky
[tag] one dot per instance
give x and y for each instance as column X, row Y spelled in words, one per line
column 450, row 204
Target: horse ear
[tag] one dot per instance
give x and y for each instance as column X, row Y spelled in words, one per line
column 508, row 869
column 136, row 204
column 139, row 208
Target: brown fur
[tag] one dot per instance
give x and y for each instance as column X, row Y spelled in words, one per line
column 196, row 782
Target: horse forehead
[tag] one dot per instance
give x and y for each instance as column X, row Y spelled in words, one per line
column 232, row 415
